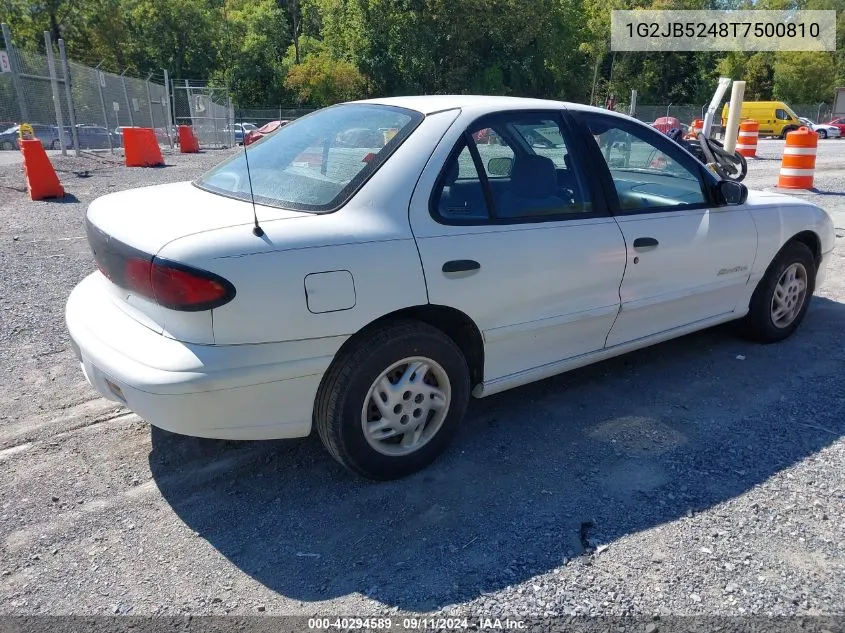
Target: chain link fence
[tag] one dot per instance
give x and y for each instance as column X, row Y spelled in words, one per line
column 208, row 110
column 73, row 106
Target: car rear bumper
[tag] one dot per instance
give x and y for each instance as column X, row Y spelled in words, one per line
column 220, row 391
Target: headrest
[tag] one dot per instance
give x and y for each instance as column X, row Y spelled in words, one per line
column 533, row 176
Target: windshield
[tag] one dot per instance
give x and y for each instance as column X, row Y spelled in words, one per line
column 318, row 162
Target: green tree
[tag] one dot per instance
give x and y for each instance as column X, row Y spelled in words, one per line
column 320, row 81
column 804, row 77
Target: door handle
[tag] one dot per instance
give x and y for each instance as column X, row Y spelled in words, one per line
column 460, row 265
column 645, row 242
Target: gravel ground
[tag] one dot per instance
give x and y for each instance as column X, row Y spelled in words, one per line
column 700, row 476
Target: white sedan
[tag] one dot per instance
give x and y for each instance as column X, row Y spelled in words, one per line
column 370, row 266
column 824, row 130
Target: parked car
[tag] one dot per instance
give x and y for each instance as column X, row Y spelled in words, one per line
column 264, row 130
column 373, row 291
column 90, row 137
column 840, row 124
column 47, row 134
column 824, row 130
column 239, row 130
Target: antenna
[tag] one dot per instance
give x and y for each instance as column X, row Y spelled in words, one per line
column 257, row 231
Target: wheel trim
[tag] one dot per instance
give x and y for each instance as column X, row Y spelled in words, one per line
column 789, row 295
column 406, row 406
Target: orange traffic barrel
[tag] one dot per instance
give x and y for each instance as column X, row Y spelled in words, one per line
column 141, row 148
column 799, row 160
column 746, row 142
column 188, row 143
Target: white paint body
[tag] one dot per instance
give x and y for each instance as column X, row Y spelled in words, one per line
column 548, row 297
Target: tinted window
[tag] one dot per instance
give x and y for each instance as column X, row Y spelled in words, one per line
column 648, row 170
column 461, row 193
column 525, row 168
column 317, row 162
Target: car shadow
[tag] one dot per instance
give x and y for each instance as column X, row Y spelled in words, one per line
column 536, row 475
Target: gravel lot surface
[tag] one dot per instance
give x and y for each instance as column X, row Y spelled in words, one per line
column 701, row 476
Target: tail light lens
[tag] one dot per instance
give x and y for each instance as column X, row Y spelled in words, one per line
column 170, row 284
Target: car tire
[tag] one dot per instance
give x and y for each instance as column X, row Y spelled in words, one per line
column 786, row 131
column 778, row 305
column 349, row 420
column 55, row 144
column 7, row 146
column 822, row 133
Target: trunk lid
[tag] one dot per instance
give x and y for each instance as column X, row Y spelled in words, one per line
column 150, row 217
column 126, row 227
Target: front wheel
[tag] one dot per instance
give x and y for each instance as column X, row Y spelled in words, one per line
column 822, row 133
column 781, row 299
column 391, row 402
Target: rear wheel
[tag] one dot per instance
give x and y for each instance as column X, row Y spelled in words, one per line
column 390, row 404
column 55, row 144
column 7, row 145
column 781, row 299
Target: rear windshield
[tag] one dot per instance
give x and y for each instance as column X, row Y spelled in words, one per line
column 318, row 162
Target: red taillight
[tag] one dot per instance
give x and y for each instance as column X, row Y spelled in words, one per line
column 181, row 288
column 136, row 276
column 176, row 286
column 170, row 284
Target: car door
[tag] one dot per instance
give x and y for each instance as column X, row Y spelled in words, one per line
column 688, row 259
column 509, row 234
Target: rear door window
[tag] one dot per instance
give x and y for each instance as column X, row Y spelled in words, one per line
column 511, row 167
column 318, row 162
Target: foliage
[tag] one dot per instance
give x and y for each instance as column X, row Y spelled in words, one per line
column 319, row 51
column 320, row 80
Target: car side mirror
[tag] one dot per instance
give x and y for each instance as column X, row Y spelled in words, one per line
column 499, row 166
column 732, row 192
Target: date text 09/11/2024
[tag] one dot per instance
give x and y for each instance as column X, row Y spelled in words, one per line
column 415, row 624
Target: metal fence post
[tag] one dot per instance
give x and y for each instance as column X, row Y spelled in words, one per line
column 231, row 122
column 166, row 105
column 100, row 81
column 54, row 86
column 126, row 96
column 150, row 100
column 68, row 89
column 13, row 63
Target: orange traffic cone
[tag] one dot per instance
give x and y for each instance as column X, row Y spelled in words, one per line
column 188, row 143
column 41, row 179
column 141, row 147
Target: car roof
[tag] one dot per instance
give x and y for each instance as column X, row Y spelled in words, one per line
column 429, row 104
